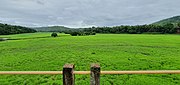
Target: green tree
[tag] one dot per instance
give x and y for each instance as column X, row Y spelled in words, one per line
column 54, row 34
column 178, row 24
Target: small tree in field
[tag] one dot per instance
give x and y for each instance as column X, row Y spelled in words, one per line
column 54, row 34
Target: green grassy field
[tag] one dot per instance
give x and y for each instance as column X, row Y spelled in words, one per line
column 38, row 52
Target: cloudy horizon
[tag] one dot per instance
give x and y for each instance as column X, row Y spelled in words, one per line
column 86, row 13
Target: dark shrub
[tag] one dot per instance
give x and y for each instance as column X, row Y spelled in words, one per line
column 3, row 39
column 54, row 34
column 93, row 53
column 87, row 33
column 93, row 33
column 74, row 33
column 82, row 33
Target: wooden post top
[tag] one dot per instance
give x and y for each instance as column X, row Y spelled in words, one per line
column 95, row 74
column 95, row 65
column 68, row 66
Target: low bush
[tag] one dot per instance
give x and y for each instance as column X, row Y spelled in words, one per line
column 54, row 34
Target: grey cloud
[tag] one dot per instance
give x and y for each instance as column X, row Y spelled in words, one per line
column 40, row 2
column 83, row 13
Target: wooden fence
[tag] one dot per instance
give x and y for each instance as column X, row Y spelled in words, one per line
column 68, row 73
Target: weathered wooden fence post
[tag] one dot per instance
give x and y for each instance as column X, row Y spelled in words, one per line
column 68, row 76
column 95, row 74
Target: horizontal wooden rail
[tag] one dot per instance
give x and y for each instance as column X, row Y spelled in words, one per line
column 30, row 72
column 143, row 72
column 88, row 72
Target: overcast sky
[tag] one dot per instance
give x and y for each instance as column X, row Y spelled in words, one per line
column 84, row 13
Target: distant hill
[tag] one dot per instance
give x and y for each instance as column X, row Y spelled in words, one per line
column 6, row 29
column 174, row 20
column 52, row 29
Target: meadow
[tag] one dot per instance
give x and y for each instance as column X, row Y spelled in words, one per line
column 39, row 52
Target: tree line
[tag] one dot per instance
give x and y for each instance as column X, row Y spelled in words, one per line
column 168, row 28
column 6, row 29
column 79, row 32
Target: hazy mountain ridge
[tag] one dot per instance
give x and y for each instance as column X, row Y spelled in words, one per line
column 52, row 29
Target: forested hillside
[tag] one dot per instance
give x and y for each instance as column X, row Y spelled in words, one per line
column 174, row 20
column 6, row 29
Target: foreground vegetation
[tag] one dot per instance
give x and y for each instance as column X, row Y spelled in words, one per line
column 38, row 52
